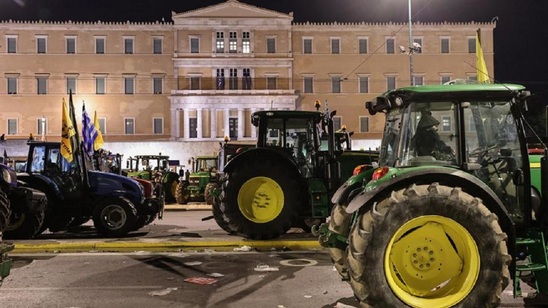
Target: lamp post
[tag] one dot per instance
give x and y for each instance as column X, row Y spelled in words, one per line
column 411, row 47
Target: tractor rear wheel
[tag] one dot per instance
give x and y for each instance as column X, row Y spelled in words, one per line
column 182, row 194
column 4, row 211
column 170, row 184
column 218, row 216
column 261, row 199
column 114, row 217
column 24, row 225
column 209, row 192
column 428, row 246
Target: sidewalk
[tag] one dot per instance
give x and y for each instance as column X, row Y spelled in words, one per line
column 168, row 235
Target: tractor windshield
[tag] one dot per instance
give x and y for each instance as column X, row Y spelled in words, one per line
column 428, row 134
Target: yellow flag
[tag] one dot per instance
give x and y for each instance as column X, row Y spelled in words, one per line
column 67, row 132
column 482, row 73
column 98, row 143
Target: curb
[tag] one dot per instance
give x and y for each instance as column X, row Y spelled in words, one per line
column 188, row 206
column 243, row 245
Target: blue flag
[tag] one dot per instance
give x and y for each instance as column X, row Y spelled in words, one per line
column 89, row 133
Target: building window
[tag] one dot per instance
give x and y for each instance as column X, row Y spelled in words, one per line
column 220, row 84
column 337, row 121
column 100, row 85
column 362, row 45
column 247, row 79
column 220, row 42
column 157, row 85
column 158, row 126
column 445, row 79
column 12, row 126
column 129, row 85
column 194, row 45
column 246, row 43
column 129, row 126
column 193, row 127
column 157, row 46
column 444, row 43
column 195, row 83
column 41, row 126
column 390, row 45
column 364, row 124
column 308, row 84
column 390, row 83
column 271, row 82
column 271, row 45
column 364, row 84
column 232, row 42
column 12, row 85
column 42, row 85
column 335, row 46
column 418, row 80
column 233, row 128
column 71, row 85
column 307, row 46
column 233, row 79
column 445, row 123
column 103, row 125
column 41, row 44
column 100, row 45
column 336, row 84
column 70, row 44
column 471, row 45
column 417, row 45
column 12, row 44
column 128, row 45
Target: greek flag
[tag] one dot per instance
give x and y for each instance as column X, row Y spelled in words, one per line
column 89, row 133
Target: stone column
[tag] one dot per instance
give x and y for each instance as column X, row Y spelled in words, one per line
column 213, row 122
column 226, row 116
column 175, row 123
column 241, row 125
column 253, row 128
column 186, row 127
column 199, row 123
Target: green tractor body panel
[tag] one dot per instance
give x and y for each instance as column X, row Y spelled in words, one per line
column 318, row 198
column 534, row 163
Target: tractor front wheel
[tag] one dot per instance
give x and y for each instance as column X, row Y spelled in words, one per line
column 210, row 192
column 428, row 246
column 181, row 193
column 261, row 199
column 115, row 217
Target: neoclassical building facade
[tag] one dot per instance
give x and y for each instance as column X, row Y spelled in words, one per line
column 200, row 76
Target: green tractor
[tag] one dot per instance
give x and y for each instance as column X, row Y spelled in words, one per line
column 155, row 168
column 201, row 181
column 451, row 215
column 287, row 179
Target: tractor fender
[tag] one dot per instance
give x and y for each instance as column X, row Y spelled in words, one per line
column 353, row 182
column 445, row 176
column 260, row 154
column 41, row 183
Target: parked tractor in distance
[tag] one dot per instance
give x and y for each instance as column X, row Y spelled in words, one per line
column 287, row 179
column 154, row 167
column 449, row 217
column 202, row 179
column 74, row 193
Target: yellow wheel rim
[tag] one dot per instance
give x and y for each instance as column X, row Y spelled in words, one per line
column 261, row 199
column 432, row 261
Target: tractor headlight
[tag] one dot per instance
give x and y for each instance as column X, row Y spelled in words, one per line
column 6, row 176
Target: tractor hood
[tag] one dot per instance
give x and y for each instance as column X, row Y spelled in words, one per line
column 104, row 183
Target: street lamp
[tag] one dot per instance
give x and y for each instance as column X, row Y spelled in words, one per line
column 411, row 47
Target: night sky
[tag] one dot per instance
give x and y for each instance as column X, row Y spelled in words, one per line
column 521, row 31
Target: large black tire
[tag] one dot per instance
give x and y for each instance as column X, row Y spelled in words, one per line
column 339, row 223
column 446, row 245
column 4, row 211
column 261, row 198
column 209, row 192
column 218, row 216
column 182, row 194
column 24, row 225
column 170, row 185
column 143, row 220
column 114, row 217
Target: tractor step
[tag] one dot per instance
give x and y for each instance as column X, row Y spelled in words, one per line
column 536, row 263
